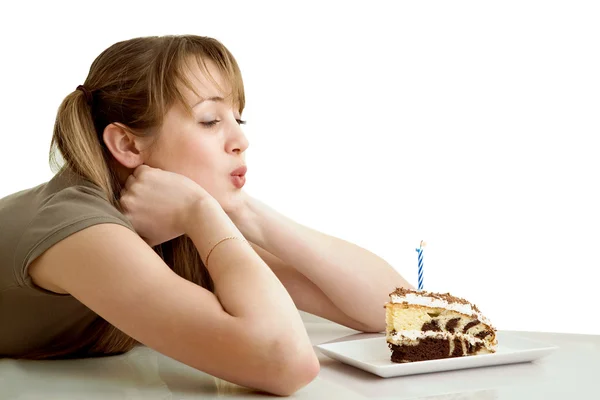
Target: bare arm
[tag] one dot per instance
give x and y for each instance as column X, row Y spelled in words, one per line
column 307, row 296
column 251, row 323
column 355, row 281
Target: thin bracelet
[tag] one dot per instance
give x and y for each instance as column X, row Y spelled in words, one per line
column 218, row 243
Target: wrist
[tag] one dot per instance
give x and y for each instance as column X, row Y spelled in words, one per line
column 206, row 223
column 195, row 209
column 246, row 218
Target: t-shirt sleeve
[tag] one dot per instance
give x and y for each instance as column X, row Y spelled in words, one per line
column 65, row 213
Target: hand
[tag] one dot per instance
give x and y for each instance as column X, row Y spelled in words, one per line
column 157, row 203
column 244, row 215
column 236, row 206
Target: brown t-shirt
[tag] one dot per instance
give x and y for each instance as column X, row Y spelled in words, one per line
column 32, row 221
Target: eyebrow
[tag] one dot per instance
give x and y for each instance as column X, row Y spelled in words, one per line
column 213, row 98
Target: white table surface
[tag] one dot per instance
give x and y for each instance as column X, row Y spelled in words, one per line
column 573, row 370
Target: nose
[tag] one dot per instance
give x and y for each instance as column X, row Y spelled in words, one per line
column 237, row 141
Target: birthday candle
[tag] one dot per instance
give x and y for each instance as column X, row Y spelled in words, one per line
column 420, row 252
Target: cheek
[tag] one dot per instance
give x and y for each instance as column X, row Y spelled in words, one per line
column 185, row 156
column 201, row 165
column 196, row 159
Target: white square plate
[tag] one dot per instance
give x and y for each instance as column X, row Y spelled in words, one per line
column 373, row 355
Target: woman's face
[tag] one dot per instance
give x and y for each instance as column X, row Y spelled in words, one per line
column 208, row 147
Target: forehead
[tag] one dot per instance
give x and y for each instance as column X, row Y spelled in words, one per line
column 205, row 80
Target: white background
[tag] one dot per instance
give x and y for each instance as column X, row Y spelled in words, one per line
column 470, row 125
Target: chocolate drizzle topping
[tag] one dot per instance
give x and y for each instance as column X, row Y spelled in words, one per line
column 441, row 296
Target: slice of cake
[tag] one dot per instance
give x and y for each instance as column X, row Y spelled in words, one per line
column 427, row 326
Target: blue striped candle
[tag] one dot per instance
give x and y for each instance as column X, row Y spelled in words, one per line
column 420, row 252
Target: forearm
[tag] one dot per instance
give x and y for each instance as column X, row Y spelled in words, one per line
column 357, row 281
column 244, row 284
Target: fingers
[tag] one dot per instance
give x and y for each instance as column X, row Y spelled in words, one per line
column 129, row 182
column 140, row 169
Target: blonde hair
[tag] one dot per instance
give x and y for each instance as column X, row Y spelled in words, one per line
column 134, row 83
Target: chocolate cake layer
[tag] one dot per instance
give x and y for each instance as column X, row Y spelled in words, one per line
column 458, row 348
column 432, row 349
column 470, row 325
column 451, row 325
column 427, row 349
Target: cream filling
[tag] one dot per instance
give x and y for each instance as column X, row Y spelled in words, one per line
column 424, row 300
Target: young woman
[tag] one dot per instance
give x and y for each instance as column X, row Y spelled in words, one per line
column 145, row 235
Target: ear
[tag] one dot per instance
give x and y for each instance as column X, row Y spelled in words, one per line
column 124, row 145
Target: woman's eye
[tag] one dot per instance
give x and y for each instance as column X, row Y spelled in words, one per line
column 212, row 123
column 208, row 124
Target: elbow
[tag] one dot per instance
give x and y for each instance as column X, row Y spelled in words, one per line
column 295, row 376
column 294, row 368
